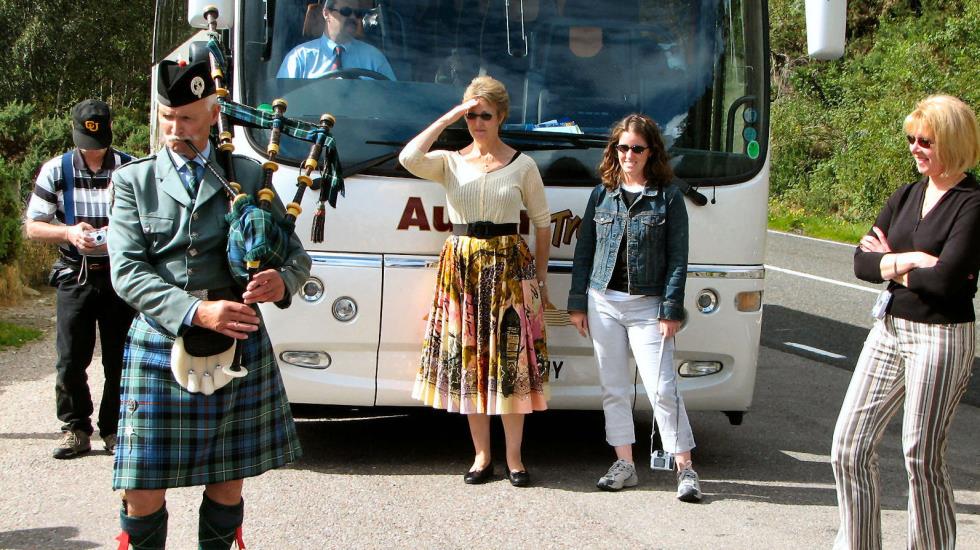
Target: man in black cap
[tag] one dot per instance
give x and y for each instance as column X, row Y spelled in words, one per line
column 70, row 207
column 167, row 242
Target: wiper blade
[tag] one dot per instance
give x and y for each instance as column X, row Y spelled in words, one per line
column 579, row 141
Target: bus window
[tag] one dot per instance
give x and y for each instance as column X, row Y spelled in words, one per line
column 573, row 68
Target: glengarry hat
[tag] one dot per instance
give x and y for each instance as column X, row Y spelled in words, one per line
column 91, row 125
column 181, row 83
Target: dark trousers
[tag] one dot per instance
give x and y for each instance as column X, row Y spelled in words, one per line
column 80, row 308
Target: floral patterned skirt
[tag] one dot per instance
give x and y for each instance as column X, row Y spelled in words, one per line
column 484, row 349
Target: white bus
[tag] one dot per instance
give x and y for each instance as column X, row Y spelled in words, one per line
column 573, row 68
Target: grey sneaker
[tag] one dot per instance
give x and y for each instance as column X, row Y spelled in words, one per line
column 109, row 442
column 72, row 444
column 688, row 487
column 621, row 474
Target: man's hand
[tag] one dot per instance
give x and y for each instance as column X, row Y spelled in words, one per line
column 265, row 286
column 228, row 318
column 580, row 321
column 77, row 235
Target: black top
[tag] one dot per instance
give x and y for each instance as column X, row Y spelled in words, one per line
column 951, row 231
column 620, row 277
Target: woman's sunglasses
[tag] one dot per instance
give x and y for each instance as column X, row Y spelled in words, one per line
column 481, row 116
column 923, row 142
column 347, row 11
column 637, row 149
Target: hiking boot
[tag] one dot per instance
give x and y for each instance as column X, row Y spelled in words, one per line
column 109, row 442
column 72, row 444
column 621, row 474
column 688, row 487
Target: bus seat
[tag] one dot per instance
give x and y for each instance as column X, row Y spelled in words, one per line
column 313, row 22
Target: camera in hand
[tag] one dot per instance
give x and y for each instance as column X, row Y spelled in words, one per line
column 98, row 236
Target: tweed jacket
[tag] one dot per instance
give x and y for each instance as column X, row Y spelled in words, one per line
column 163, row 243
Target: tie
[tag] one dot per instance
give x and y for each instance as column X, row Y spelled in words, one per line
column 195, row 173
column 337, row 64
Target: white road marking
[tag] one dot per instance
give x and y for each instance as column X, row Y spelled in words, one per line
column 783, row 233
column 807, row 457
column 818, row 351
column 822, row 279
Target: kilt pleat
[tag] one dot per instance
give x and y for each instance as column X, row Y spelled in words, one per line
column 168, row 437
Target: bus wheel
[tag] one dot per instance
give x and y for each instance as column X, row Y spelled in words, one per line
column 735, row 417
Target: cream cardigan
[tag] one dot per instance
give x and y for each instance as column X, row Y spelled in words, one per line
column 474, row 196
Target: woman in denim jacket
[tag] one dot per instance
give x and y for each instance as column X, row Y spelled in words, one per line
column 628, row 292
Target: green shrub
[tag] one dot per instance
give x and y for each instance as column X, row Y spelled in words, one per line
column 837, row 138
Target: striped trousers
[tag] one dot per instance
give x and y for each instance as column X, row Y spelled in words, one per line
column 926, row 367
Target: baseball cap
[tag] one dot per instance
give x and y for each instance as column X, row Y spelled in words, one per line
column 91, row 125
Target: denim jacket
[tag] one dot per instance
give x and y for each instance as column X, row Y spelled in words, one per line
column 655, row 229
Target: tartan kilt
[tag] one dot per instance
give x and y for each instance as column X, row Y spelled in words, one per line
column 169, row 437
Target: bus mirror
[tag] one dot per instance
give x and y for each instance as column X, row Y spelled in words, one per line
column 825, row 24
column 197, row 8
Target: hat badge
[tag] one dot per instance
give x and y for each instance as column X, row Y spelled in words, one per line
column 91, row 126
column 197, row 86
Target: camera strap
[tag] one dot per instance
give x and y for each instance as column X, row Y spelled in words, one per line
column 656, row 398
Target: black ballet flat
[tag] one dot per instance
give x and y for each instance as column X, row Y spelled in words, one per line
column 520, row 479
column 476, row 477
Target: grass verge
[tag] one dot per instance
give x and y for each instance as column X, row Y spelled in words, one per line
column 821, row 227
column 16, row 335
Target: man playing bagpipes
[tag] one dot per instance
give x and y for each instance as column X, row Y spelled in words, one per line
column 167, row 241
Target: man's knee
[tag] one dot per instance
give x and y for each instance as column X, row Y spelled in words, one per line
column 228, row 493
column 142, row 502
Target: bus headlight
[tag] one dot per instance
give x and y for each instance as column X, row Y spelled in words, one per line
column 706, row 301
column 749, row 301
column 344, row 309
column 312, row 290
column 306, row 359
column 693, row 369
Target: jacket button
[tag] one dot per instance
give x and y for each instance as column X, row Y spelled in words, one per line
column 194, row 234
column 131, row 406
column 190, row 270
column 195, row 216
column 192, row 252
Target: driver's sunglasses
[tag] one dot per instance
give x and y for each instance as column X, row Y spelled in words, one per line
column 637, row 149
column 481, row 116
column 347, row 11
column 923, row 142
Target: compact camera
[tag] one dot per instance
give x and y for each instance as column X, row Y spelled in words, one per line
column 661, row 460
column 98, row 236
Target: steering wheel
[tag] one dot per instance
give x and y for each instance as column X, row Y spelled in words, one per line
column 356, row 73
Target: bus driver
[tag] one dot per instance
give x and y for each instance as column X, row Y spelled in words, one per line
column 337, row 49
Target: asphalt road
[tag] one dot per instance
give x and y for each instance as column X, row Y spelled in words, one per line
column 392, row 479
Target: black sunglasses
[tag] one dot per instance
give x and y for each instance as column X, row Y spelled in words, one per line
column 482, row 116
column 923, row 142
column 347, row 11
column 637, row 149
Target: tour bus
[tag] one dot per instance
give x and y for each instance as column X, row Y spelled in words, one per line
column 700, row 68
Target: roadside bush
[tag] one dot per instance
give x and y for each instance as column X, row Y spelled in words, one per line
column 837, row 138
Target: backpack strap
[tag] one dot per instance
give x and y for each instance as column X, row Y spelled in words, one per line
column 68, row 176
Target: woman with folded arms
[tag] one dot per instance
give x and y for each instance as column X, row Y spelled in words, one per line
column 926, row 244
column 484, row 351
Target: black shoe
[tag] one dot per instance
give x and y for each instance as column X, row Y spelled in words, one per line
column 519, row 479
column 476, row 477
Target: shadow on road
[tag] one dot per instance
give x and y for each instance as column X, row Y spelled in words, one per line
column 781, row 326
column 47, row 538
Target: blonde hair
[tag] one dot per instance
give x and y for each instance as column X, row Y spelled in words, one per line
column 954, row 128
column 491, row 90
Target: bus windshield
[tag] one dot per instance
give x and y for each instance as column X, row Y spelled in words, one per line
column 572, row 69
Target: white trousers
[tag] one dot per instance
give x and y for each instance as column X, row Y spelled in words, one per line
column 926, row 367
column 616, row 327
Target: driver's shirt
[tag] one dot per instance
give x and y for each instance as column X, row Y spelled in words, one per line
column 313, row 59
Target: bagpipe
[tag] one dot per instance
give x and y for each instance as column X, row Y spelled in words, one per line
column 203, row 360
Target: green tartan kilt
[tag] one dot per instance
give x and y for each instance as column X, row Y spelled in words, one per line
column 169, row 437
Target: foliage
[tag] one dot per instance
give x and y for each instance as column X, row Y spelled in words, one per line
column 837, row 138
column 16, row 335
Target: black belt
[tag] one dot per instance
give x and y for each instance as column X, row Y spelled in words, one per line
column 484, row 230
